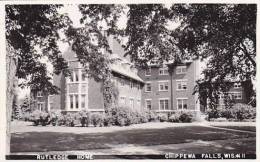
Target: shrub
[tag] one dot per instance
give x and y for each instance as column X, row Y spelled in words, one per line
column 108, row 120
column 54, row 116
column 97, row 119
column 152, row 116
column 243, row 111
column 83, row 117
column 61, row 120
column 123, row 116
column 39, row 117
column 186, row 117
column 163, row 117
column 26, row 116
column 213, row 113
column 144, row 116
column 174, row 117
column 70, row 119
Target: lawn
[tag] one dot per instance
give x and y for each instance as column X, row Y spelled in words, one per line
column 242, row 128
column 57, row 141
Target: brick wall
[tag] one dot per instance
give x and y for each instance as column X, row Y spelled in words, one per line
column 155, row 94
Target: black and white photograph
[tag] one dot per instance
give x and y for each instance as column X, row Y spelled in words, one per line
column 130, row 81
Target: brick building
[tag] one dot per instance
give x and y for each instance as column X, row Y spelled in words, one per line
column 161, row 88
column 79, row 92
column 170, row 88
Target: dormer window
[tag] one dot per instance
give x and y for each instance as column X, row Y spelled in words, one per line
column 163, row 71
column 181, row 70
column 148, row 72
column 39, row 94
column 237, row 85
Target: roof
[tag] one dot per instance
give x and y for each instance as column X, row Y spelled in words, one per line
column 118, row 69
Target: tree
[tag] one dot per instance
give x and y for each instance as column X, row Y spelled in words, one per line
column 25, row 107
column 32, row 34
column 16, row 113
column 223, row 35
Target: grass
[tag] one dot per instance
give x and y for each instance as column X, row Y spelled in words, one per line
column 243, row 128
column 53, row 141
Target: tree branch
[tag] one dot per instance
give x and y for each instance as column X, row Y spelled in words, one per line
column 247, row 54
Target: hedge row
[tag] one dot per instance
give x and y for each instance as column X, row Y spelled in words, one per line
column 237, row 112
column 120, row 116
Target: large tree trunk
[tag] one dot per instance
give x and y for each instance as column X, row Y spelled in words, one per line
column 11, row 65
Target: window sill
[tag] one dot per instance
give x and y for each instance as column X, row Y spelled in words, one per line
column 181, row 89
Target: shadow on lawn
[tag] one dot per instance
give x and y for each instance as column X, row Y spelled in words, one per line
column 55, row 141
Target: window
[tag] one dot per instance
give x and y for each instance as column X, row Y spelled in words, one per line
column 237, row 85
column 131, row 84
column 40, row 106
column 138, row 103
column 148, row 87
column 148, row 104
column 163, row 71
column 182, row 103
column 83, row 76
column 163, row 86
column 50, row 105
column 148, row 72
column 76, row 76
column 83, row 88
column 132, row 103
column 71, row 77
column 138, row 86
column 236, row 95
column 83, row 101
column 122, row 82
column 164, row 104
column 181, row 85
column 122, row 100
column 39, row 94
column 181, row 70
column 71, row 101
column 77, row 101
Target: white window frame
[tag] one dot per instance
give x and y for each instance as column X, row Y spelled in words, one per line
column 235, row 93
column 138, row 102
column 146, row 104
column 39, row 94
column 181, row 103
column 164, row 71
column 122, row 82
column 237, row 85
column 131, row 99
column 181, row 69
column 163, row 83
column 146, row 86
column 164, row 99
column 150, row 72
column 181, row 81
column 41, row 107
column 124, row 100
column 131, row 84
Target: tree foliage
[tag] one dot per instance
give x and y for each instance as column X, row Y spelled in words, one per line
column 32, row 31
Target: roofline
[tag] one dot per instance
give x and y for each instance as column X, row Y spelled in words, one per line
column 128, row 76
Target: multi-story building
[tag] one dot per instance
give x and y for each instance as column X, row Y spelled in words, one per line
column 164, row 89
column 170, row 88
column 80, row 92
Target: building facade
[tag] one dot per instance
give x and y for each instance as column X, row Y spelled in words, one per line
column 163, row 88
column 169, row 88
